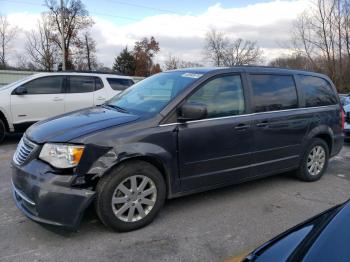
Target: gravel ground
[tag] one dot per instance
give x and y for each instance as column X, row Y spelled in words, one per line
column 211, row 226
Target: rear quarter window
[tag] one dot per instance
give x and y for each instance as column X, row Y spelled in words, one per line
column 120, row 84
column 317, row 91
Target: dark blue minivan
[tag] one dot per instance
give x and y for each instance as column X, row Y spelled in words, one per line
column 172, row 134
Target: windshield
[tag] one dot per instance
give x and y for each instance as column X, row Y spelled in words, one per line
column 152, row 94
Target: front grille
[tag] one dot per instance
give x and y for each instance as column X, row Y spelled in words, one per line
column 24, row 149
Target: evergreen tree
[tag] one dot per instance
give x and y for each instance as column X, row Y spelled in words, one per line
column 125, row 62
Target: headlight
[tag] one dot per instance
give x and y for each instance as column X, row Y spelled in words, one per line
column 61, row 156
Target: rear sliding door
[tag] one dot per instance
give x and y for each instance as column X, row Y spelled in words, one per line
column 279, row 125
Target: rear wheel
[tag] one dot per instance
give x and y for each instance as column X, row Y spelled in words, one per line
column 2, row 130
column 130, row 196
column 315, row 161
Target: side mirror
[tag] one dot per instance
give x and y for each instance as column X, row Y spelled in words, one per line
column 21, row 90
column 190, row 112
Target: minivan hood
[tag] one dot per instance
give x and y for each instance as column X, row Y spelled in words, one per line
column 69, row 126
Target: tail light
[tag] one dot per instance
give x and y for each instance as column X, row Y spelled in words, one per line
column 342, row 118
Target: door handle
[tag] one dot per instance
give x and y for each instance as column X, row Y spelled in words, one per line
column 262, row 124
column 101, row 98
column 57, row 99
column 241, row 127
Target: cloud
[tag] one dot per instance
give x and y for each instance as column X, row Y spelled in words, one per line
column 268, row 23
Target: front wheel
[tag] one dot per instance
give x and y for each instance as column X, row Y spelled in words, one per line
column 315, row 161
column 130, row 196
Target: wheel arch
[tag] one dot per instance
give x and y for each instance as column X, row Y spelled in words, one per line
column 4, row 119
column 323, row 132
column 148, row 159
column 328, row 139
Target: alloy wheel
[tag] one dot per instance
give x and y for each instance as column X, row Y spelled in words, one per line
column 134, row 198
column 316, row 160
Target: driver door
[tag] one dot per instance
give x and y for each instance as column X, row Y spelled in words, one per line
column 43, row 98
column 216, row 150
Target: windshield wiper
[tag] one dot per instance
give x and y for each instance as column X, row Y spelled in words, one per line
column 120, row 109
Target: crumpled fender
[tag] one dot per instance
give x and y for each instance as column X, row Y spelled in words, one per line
column 99, row 160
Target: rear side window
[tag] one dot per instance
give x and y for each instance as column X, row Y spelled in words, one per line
column 45, row 85
column 81, row 84
column 99, row 84
column 317, row 91
column 120, row 84
column 273, row 92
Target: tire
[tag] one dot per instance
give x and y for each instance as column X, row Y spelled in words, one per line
column 110, row 187
column 305, row 171
column 2, row 131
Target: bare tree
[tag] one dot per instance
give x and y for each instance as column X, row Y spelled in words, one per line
column 318, row 35
column 7, row 34
column 346, row 26
column 215, row 47
column 86, row 57
column 295, row 61
column 40, row 45
column 174, row 62
column 242, row 52
column 76, row 19
column 23, row 63
column 90, row 50
column 223, row 51
column 188, row 64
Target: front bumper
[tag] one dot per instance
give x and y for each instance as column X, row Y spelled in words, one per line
column 47, row 197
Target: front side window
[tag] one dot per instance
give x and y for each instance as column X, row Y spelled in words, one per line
column 81, row 84
column 273, row 92
column 317, row 91
column 45, row 85
column 120, row 84
column 222, row 96
column 152, row 94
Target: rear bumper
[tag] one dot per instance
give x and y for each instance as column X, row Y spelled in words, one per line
column 338, row 143
column 48, row 198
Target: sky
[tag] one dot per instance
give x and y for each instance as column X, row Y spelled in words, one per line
column 180, row 26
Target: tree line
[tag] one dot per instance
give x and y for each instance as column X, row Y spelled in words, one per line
column 43, row 45
column 320, row 41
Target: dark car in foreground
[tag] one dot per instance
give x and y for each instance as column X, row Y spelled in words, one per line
column 172, row 134
column 323, row 238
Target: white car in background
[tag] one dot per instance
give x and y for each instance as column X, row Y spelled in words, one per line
column 45, row 95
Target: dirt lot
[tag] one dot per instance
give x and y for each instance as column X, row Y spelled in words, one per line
column 210, row 226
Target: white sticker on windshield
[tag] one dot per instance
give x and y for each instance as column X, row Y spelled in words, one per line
column 191, row 75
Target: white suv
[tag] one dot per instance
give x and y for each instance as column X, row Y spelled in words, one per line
column 44, row 95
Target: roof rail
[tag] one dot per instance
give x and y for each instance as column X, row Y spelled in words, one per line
column 92, row 72
column 275, row 67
